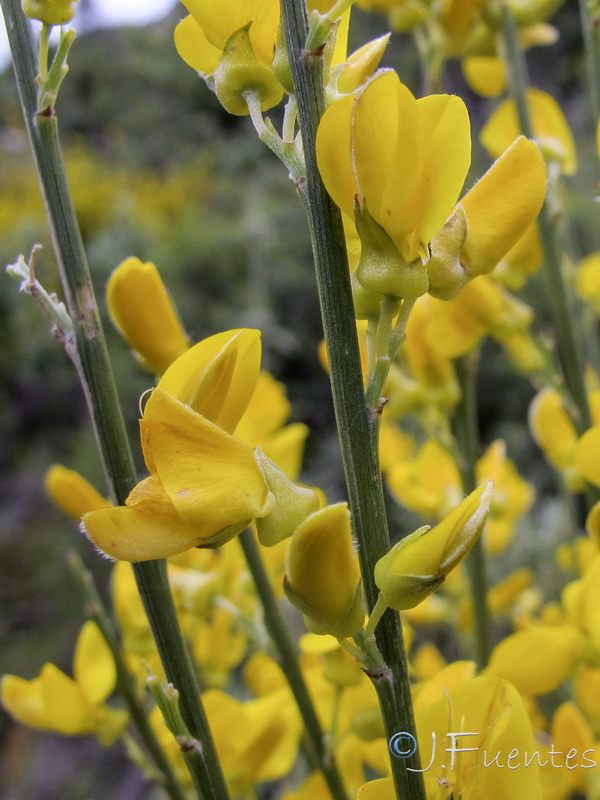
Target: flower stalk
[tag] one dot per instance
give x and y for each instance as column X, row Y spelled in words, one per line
column 467, row 439
column 357, row 432
column 559, row 298
column 96, row 611
column 279, row 633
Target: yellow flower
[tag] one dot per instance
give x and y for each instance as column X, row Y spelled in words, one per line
column 322, row 576
column 205, row 486
column 587, row 280
column 71, row 706
column 512, row 495
column 538, row 659
column 71, row 492
column 404, row 162
column 142, row 311
column 234, row 42
column 555, row 433
column 419, row 563
column 550, row 129
column 266, row 736
column 429, row 484
column 467, row 738
column 453, row 327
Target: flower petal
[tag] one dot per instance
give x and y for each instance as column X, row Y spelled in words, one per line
column 126, row 534
column 217, row 377
column 334, row 154
column 502, row 205
column 93, row 664
column 447, row 156
column 211, row 477
column 194, row 48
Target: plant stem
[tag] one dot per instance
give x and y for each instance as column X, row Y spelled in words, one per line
column 357, row 432
column 279, row 633
column 95, row 610
column 467, row 438
column 559, row 298
column 98, row 383
column 589, row 12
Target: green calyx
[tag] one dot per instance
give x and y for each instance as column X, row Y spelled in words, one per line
column 381, row 267
column 240, row 72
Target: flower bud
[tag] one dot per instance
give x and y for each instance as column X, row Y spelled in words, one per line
column 419, row 563
column 71, row 492
column 292, row 504
column 52, row 12
column 381, row 267
column 239, row 72
column 362, row 64
column 142, row 311
column 321, row 574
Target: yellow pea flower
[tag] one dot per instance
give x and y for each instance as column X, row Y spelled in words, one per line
column 419, row 563
column 512, row 495
column 522, row 260
column 502, row 205
column 555, row 433
column 142, row 311
column 233, row 42
column 485, row 74
column 587, row 280
column 481, row 308
column 71, row 706
column 269, row 736
column 322, row 576
column 429, row 484
column 263, row 424
column 550, row 129
column 538, row 659
column 404, row 162
column 587, row 455
column 71, row 492
column 205, row 486
column 467, row 739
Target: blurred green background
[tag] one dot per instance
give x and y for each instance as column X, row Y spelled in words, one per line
column 158, row 170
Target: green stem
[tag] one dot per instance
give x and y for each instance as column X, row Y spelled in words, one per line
column 589, row 11
column 559, row 298
column 357, row 432
column 279, row 633
column 97, row 379
column 467, row 438
column 95, row 610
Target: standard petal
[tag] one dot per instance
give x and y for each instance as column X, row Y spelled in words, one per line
column 93, row 664
column 334, row 154
column 502, row 205
column 446, row 160
column 211, row 477
column 219, row 21
column 217, row 377
column 387, row 142
column 194, row 48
